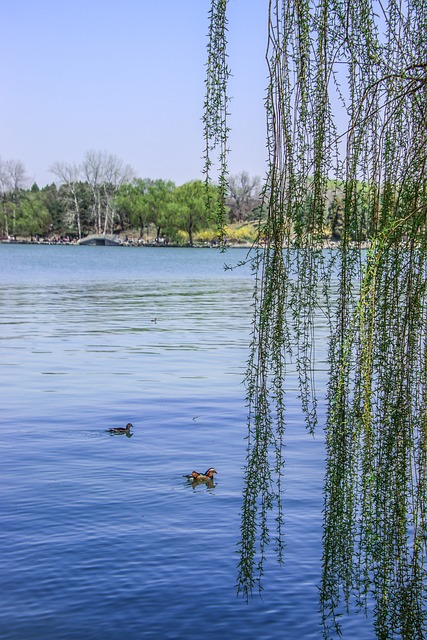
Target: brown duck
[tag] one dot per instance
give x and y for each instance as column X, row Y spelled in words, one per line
column 195, row 476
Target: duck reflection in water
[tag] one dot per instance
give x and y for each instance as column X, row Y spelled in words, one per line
column 196, row 478
column 121, row 431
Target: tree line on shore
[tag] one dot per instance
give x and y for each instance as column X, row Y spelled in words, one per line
column 102, row 195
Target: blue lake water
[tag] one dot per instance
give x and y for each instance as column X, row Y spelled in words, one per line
column 101, row 537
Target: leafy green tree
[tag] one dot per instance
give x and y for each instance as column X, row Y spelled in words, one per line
column 33, row 218
column 130, row 205
column 146, row 202
column 190, row 209
column 158, row 198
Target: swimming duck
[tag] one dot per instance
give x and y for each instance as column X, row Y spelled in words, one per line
column 121, row 430
column 201, row 477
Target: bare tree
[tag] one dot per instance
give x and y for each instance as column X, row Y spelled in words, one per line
column 115, row 174
column 92, row 169
column 243, row 195
column 104, row 173
column 13, row 178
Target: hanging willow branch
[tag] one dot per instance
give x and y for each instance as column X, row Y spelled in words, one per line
column 347, row 147
column 288, row 283
column 216, row 112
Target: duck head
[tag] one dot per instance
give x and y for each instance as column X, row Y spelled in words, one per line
column 210, row 472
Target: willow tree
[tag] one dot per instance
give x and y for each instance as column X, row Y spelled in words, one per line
column 346, row 113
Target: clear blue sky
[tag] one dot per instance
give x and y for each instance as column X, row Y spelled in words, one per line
column 126, row 77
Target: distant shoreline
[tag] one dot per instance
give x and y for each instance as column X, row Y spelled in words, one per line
column 122, row 243
column 125, row 241
column 327, row 244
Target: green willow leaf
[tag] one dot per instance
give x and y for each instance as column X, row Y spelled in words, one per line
column 346, row 139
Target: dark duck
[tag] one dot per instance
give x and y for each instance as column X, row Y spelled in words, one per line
column 116, row 431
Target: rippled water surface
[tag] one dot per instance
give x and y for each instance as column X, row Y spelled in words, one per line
column 101, row 536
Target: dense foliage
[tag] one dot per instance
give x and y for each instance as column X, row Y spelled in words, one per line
column 346, row 132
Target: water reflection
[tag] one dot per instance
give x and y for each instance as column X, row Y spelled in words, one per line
column 208, row 483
